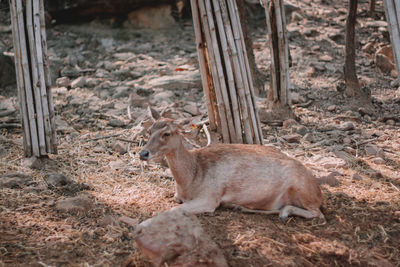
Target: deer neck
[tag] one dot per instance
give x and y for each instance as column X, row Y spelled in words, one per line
column 182, row 165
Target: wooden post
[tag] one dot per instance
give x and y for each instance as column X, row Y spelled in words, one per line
column 392, row 11
column 279, row 100
column 30, row 52
column 223, row 56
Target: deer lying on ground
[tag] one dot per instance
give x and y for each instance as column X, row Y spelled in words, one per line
column 252, row 178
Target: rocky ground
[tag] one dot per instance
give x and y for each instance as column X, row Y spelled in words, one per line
column 79, row 207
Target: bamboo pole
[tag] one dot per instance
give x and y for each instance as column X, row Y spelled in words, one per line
column 53, row 136
column 35, row 77
column 20, row 84
column 392, row 10
column 274, row 82
column 40, row 66
column 228, row 52
column 202, row 63
column 27, row 79
column 251, row 98
column 244, row 68
column 220, row 69
column 215, row 75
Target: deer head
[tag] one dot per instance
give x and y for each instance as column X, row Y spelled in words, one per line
column 164, row 139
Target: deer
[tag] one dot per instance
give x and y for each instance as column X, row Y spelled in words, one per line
column 250, row 178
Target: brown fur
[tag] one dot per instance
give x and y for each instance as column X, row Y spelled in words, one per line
column 255, row 178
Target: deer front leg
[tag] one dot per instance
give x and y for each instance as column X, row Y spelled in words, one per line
column 199, row 205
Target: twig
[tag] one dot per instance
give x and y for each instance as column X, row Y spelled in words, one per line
column 101, row 137
column 207, row 134
column 127, row 140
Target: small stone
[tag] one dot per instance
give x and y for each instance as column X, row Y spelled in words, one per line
column 390, row 122
column 32, row 162
column 371, row 150
column 108, row 220
column 78, row 82
column 117, row 165
column 191, row 109
column 295, row 97
column 128, row 220
column 300, row 129
column 292, row 138
column 308, row 137
column 348, row 126
column 310, row 72
column 330, row 179
column 378, row 160
column 57, row 179
column 74, row 204
column 14, row 180
column 120, row 147
column 63, row 82
column 326, row 58
column 329, row 162
column 289, row 123
column 346, row 140
column 116, row 123
column 395, row 83
column 332, row 108
column 357, row 177
column 363, row 111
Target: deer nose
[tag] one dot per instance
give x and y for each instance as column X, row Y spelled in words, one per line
column 144, row 155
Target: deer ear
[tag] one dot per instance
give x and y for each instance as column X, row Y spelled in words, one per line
column 153, row 114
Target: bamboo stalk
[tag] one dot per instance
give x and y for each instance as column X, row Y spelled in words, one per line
column 220, row 69
column 281, row 45
column 202, row 63
column 229, row 72
column 244, row 70
column 251, row 99
column 35, row 78
column 27, row 80
column 286, row 52
column 40, row 66
column 53, row 137
column 212, row 60
column 392, row 11
column 21, row 92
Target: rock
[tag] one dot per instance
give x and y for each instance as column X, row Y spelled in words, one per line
column 300, row 129
column 116, row 123
column 363, row 111
column 120, row 147
column 63, row 126
column 128, row 220
column 108, row 220
column 78, row 82
column 175, row 239
column 181, row 80
column 346, row 141
column 63, row 82
column 156, row 17
column 328, row 162
column 32, row 162
column 192, row 109
column 390, row 122
column 347, row 126
column 162, row 96
column 308, row 137
column 326, row 58
column 295, row 97
column 337, row 37
column 292, row 138
column 357, row 177
column 3, row 153
column 384, row 59
column 117, row 165
column 57, row 180
column 289, row 123
column 378, row 160
column 330, row 179
column 14, row 180
column 332, row 108
column 372, row 150
column 74, row 204
column 121, row 91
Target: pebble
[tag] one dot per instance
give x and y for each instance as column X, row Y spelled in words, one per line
column 332, row 108
column 120, row 147
column 357, row 177
column 57, row 179
column 63, row 82
column 348, row 126
column 78, row 82
column 74, row 204
column 116, row 123
column 292, row 138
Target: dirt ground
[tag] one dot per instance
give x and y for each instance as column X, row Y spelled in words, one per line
column 355, row 153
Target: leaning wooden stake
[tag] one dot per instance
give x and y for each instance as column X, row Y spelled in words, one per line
column 392, row 11
column 34, row 92
column 224, row 57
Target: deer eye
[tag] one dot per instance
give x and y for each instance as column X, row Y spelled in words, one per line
column 166, row 134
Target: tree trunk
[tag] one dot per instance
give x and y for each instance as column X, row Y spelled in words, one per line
column 279, row 94
column 352, row 85
column 392, row 11
column 33, row 78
